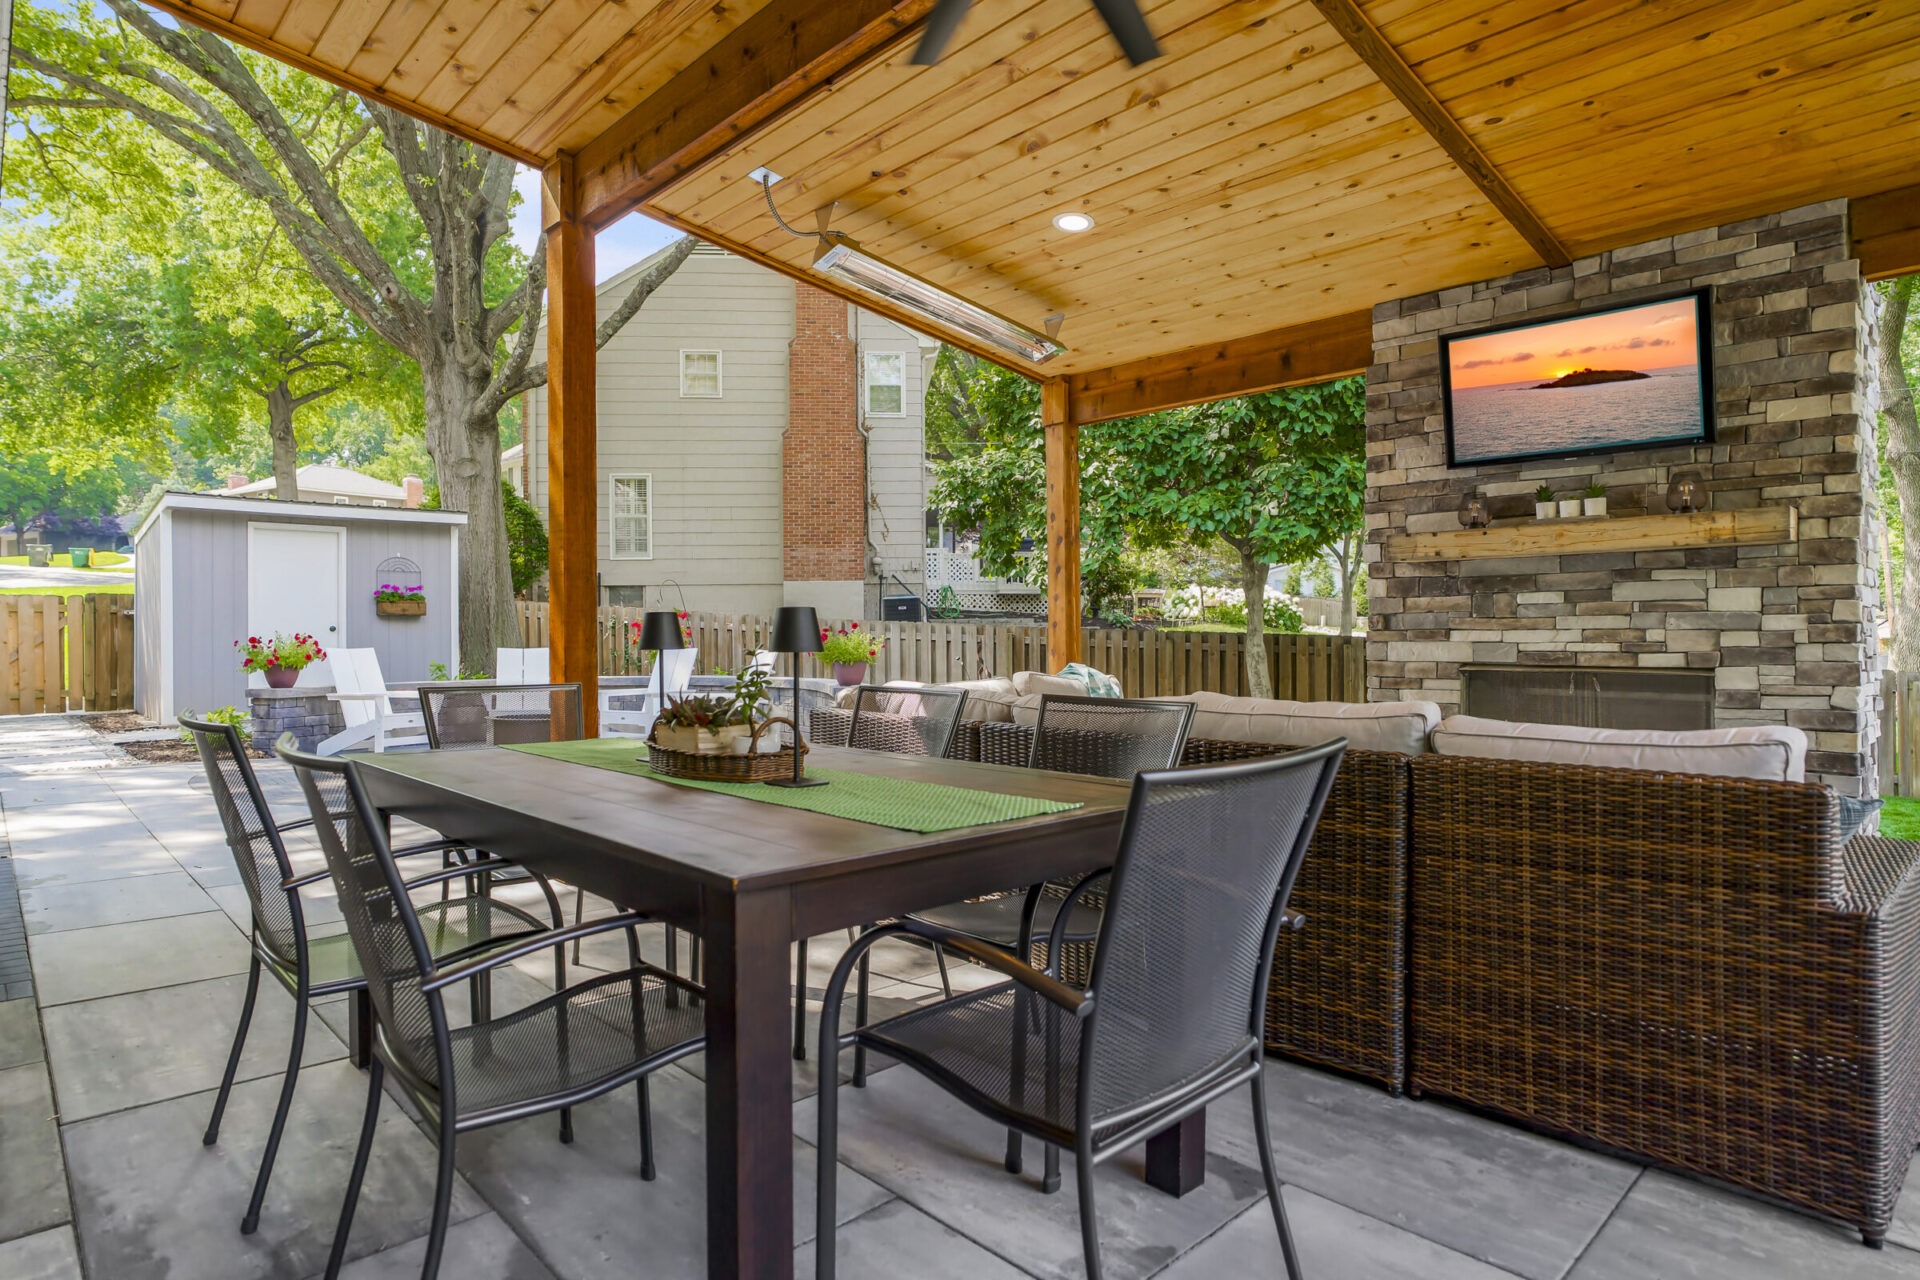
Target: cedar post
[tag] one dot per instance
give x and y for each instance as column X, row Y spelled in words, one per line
column 1063, row 524
column 572, row 465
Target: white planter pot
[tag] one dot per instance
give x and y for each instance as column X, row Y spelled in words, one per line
column 1543, row 511
column 1569, row 508
column 1594, row 506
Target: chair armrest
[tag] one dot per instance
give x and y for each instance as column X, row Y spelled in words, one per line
column 355, row 697
column 1878, row 871
column 473, row 968
column 1072, row 999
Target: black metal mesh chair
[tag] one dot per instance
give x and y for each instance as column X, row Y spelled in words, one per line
column 574, row 1045
column 1175, row 1014
column 309, row 965
column 913, row 722
column 475, row 715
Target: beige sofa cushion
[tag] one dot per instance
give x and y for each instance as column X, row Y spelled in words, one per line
column 987, row 699
column 1029, row 683
column 1770, row 752
column 1367, row 726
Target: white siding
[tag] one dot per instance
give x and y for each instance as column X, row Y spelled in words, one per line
column 716, row 463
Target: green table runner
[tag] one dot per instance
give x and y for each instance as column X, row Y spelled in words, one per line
column 901, row 803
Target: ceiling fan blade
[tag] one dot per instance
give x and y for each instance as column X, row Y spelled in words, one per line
column 1129, row 27
column 941, row 24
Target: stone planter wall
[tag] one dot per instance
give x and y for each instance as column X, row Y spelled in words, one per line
column 1788, row 630
column 305, row 713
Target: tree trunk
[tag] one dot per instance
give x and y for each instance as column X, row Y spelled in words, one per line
column 1903, row 457
column 466, row 460
column 1349, row 556
column 286, row 453
column 1253, row 581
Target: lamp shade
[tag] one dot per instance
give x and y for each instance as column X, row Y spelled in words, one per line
column 796, row 629
column 660, row 629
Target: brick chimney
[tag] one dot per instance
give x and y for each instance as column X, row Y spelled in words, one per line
column 416, row 490
column 237, row 480
column 823, row 490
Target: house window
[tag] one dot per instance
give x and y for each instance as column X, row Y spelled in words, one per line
column 631, row 526
column 886, row 383
column 699, row 375
column 340, row 500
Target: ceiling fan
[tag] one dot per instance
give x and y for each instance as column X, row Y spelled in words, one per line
column 1124, row 19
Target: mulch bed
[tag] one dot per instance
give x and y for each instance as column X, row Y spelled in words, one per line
column 119, row 722
column 166, row 752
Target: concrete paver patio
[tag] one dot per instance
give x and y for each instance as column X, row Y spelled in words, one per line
column 135, row 926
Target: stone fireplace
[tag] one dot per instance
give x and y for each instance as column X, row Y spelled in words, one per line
column 1785, row 629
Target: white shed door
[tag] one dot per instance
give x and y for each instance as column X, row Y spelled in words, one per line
column 296, row 582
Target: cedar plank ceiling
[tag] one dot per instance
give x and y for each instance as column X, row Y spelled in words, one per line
column 1261, row 174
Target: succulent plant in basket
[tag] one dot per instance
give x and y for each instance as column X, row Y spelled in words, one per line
column 694, row 724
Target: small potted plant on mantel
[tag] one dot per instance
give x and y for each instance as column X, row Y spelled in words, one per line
column 281, row 659
column 1569, row 507
column 1543, row 502
column 1594, row 501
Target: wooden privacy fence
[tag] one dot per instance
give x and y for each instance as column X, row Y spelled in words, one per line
column 1311, row 668
column 1900, row 734
column 65, row 653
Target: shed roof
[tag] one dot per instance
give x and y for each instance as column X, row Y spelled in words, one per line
column 320, row 477
column 273, row 508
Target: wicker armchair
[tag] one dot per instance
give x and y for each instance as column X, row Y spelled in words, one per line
column 1338, row 997
column 830, row 727
column 1691, row 970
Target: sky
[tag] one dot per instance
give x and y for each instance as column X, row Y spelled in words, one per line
column 1660, row 335
column 615, row 249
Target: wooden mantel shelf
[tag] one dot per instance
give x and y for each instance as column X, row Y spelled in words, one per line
column 1750, row 526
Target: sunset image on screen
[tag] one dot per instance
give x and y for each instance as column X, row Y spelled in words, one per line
column 1614, row 379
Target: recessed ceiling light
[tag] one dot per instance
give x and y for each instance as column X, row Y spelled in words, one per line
column 1073, row 221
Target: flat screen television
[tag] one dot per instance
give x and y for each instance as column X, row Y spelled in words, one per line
column 1630, row 377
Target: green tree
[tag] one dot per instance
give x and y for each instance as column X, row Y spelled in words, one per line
column 1897, row 355
column 527, row 538
column 37, row 483
column 404, row 225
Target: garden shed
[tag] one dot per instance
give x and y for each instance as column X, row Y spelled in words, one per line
column 210, row 570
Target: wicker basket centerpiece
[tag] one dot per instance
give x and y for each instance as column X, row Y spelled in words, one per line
column 727, row 753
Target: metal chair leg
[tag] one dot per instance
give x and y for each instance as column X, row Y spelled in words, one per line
column 579, row 914
column 251, row 1222
column 800, row 1004
column 646, row 1132
column 1089, row 1223
column 859, row 1020
column 442, row 1201
column 375, row 1073
column 946, row 983
column 1272, row 1175
column 212, row 1134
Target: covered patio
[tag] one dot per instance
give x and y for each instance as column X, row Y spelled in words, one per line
column 1288, row 193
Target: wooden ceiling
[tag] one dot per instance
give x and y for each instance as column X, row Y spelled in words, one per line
column 1286, row 163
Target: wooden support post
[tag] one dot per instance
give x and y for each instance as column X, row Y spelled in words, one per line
column 1063, row 524
column 572, row 466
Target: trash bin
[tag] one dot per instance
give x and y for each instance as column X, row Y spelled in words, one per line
column 82, row 556
column 39, row 555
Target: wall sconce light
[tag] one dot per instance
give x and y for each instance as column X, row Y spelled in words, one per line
column 1687, row 493
column 1473, row 510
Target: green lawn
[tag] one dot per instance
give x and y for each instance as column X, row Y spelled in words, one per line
column 103, row 589
column 107, row 560
column 1900, row 818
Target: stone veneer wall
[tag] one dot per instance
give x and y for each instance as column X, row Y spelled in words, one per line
column 1789, row 631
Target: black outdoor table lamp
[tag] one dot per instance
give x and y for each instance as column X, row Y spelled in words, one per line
column 660, row 631
column 796, row 630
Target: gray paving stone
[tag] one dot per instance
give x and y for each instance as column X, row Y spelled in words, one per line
column 85, row 964
column 1488, row 1190
column 88, row 853
column 126, row 1051
column 1332, row 1240
column 945, row 1159
column 33, row 1182
column 47, row 1255
column 152, row 1203
column 1678, row 1229
column 482, row 1248
column 583, row 1207
column 19, row 1034
column 1906, row 1211
column 898, row 1240
column 55, row 908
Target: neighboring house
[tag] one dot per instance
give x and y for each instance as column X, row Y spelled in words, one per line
column 337, row 485
column 513, row 468
column 58, row 531
column 760, row 443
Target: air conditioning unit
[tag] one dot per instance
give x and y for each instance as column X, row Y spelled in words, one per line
column 900, row 609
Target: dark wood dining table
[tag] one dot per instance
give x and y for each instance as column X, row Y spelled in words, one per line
column 751, row 878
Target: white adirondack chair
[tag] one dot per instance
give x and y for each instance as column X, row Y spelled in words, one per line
column 522, row 666
column 368, row 706
column 676, row 666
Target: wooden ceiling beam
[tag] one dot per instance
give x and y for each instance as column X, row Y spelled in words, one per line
column 1885, row 229
column 1318, row 351
column 253, row 40
column 1364, row 38
column 765, row 66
